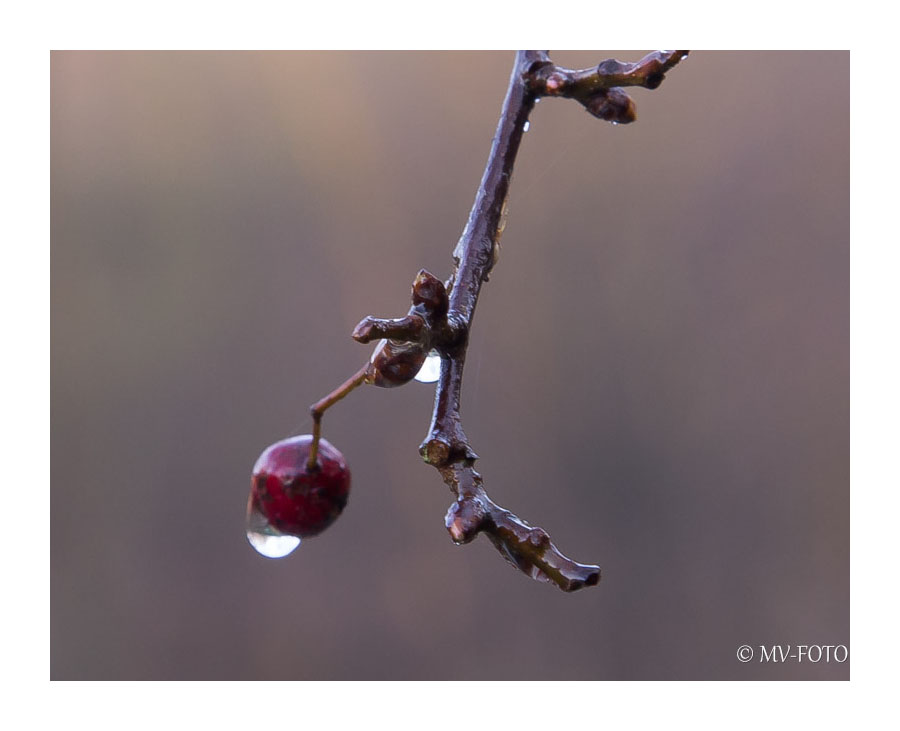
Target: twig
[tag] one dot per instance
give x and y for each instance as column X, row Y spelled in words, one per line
column 441, row 315
column 599, row 89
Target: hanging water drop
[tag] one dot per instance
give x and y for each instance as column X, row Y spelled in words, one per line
column 683, row 57
column 526, row 127
column 431, row 368
column 266, row 540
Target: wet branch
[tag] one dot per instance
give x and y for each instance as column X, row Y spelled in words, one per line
column 598, row 89
column 441, row 315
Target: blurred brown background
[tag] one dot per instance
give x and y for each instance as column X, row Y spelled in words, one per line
column 668, row 327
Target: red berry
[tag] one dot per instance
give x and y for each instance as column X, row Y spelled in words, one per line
column 294, row 499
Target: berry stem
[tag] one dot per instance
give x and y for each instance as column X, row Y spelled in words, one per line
column 321, row 406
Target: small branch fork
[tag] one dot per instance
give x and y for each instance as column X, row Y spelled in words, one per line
column 441, row 315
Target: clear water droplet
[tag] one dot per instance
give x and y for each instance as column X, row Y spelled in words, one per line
column 537, row 101
column 431, row 368
column 615, row 124
column 266, row 540
column 526, row 127
column 684, row 57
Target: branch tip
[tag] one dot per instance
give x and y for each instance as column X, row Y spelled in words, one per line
column 598, row 89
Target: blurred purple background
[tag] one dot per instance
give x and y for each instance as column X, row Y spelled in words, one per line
column 668, row 327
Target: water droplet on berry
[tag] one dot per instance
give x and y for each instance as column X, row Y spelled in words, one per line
column 526, row 127
column 268, row 541
column 431, row 368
